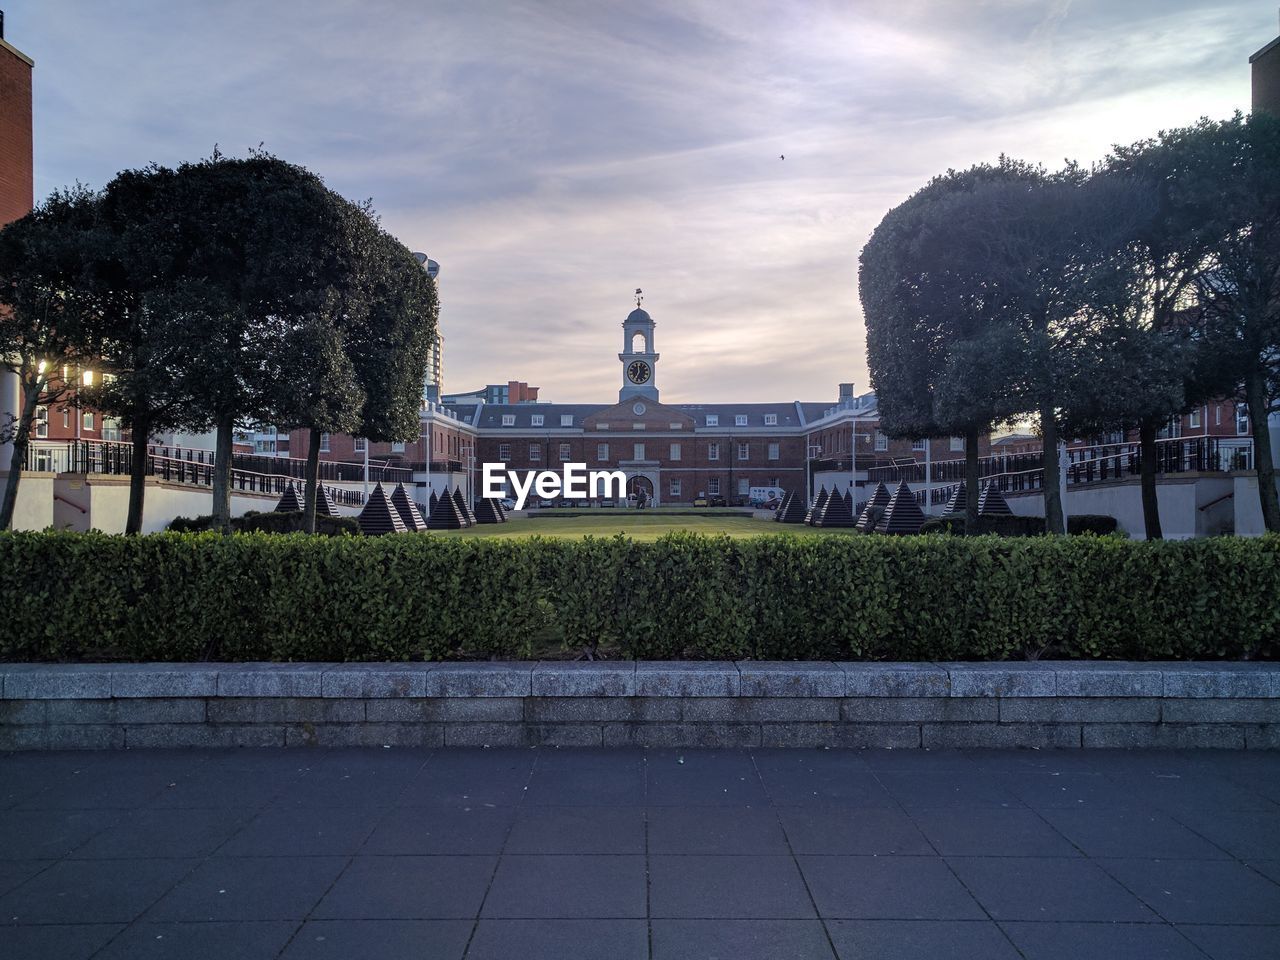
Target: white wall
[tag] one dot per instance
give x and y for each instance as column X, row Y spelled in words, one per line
column 34, row 509
column 1180, row 502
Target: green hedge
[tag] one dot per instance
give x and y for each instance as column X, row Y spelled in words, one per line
column 1014, row 526
column 270, row 522
column 258, row 596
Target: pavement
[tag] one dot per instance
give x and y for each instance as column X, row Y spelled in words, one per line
column 365, row 854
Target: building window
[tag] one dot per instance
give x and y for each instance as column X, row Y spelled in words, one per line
column 602, row 426
column 713, row 486
column 1242, row 420
column 111, row 429
column 740, row 420
column 744, row 451
column 1217, row 414
column 957, row 444
column 882, row 442
column 675, row 488
column 508, row 419
column 361, row 444
column 744, row 486
column 397, row 446
column 324, row 443
column 602, row 452
column 1193, row 419
column 637, row 451
column 565, row 452
column 774, row 452
column 87, row 420
column 918, row 446
column 673, row 426
column 537, row 420
column 770, row 419
column 637, row 426
column 66, row 418
column 566, row 419
column 535, row 452
column 713, row 451
column 504, row 452
column 713, row 420
column 675, row 451
column 42, row 425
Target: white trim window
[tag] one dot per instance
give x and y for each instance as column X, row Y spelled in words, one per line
column 566, row 452
column 535, row 452
column 957, row 444
column 674, row 487
column 1242, row 419
column 744, row 451
column 713, row 486
column 508, row 419
column 675, row 451
column 770, row 419
column 637, row 451
column 713, row 419
column 1193, row 420
column 602, row 452
column 744, row 486
column 740, row 420
column 111, row 429
column 713, row 451
column 87, row 420
column 360, row 445
column 397, row 446
column 919, row 446
column 882, row 442
column 42, row 425
column 536, row 420
column 324, row 443
column 774, row 451
column 504, row 452
column 566, row 419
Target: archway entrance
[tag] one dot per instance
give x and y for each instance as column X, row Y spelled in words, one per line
column 635, row 485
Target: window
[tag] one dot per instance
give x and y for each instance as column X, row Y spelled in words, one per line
column 713, row 420
column 637, row 426
column 744, row 451
column 66, row 418
column 675, row 451
column 773, row 451
column 770, row 419
column 566, row 419
column 1193, row 419
column 1242, row 420
column 637, row 452
column 602, row 452
column 673, row 426
column 713, row 451
column 537, row 420
column 397, row 446
column 508, row 419
column 882, row 442
column 87, row 420
column 324, row 443
column 566, row 451
column 110, row 428
column 42, row 425
column 535, row 452
column 504, row 452
column 713, row 486
column 740, row 420
column 918, row 445
column 744, row 486
column 361, row 444
column 1217, row 414
column 675, row 488
column 957, row 444
column 602, row 426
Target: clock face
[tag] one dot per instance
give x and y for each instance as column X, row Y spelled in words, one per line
column 638, row 371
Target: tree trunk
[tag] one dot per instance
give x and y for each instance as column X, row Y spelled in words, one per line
column 222, row 474
column 9, row 504
column 1149, row 453
column 312, row 481
column 971, row 481
column 1053, row 522
column 1255, row 393
column 137, row 475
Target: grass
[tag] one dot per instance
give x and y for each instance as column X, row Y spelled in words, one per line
column 638, row 526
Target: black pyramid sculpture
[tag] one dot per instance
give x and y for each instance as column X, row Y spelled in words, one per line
column 290, row 502
column 992, row 504
column 324, row 502
column 464, row 508
column 872, row 509
column 819, row 502
column 379, row 516
column 792, row 509
column 958, row 498
column 431, row 503
column 502, row 511
column 408, row 510
column 777, row 514
column 838, row 511
column 445, row 515
column 487, row 511
column 903, row 514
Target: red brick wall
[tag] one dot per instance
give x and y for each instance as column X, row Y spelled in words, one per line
column 16, row 175
column 1266, row 82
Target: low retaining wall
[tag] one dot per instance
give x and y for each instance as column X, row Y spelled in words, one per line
column 682, row 704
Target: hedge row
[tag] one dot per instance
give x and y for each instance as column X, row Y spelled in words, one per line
column 1015, row 526
column 257, row 596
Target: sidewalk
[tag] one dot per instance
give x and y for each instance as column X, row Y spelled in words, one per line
column 620, row 854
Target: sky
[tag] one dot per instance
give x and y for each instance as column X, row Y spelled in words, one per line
column 554, row 156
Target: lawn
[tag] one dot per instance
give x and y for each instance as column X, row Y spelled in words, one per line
column 638, row 526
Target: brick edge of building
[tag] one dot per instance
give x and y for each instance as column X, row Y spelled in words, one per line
column 653, row 704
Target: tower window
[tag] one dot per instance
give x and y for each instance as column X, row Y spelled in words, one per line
column 639, row 343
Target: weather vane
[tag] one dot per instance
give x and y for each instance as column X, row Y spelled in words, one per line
column 639, row 297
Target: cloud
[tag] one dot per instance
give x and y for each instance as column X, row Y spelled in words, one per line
column 554, row 156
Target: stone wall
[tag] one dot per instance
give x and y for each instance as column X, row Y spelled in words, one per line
column 683, row 704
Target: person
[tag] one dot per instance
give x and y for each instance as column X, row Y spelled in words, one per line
column 641, row 497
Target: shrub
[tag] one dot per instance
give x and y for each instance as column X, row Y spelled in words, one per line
column 271, row 522
column 260, row 596
column 1014, row 526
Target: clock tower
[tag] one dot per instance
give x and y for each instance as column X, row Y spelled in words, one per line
column 639, row 361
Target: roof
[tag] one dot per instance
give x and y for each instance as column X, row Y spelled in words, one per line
column 1267, row 49
column 639, row 315
column 491, row 414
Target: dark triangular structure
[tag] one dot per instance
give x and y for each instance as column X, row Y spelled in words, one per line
column 290, row 502
column 379, row 516
column 445, row 515
column 816, row 508
column 838, row 511
column 792, row 509
column 873, row 508
column 408, row 510
column 992, row 504
column 431, row 503
column 903, row 514
column 464, row 508
column 958, row 498
column 324, row 502
column 502, row 510
column 488, row 510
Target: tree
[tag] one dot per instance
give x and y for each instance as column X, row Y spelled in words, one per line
column 929, row 319
column 47, row 321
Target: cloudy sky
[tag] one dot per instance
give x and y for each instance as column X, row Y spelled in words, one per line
column 554, row 156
